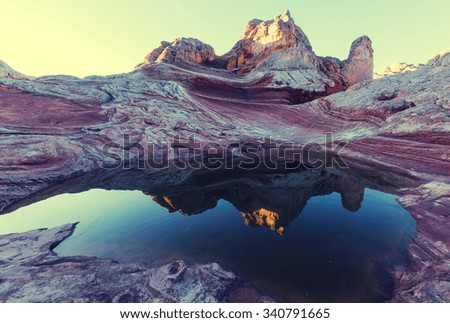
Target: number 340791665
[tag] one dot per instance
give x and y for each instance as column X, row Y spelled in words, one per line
column 321, row 313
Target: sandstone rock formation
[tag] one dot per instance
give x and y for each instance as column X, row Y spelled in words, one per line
column 264, row 43
column 396, row 68
column 182, row 51
column 31, row 272
column 441, row 59
column 396, row 128
column 427, row 278
column 276, row 53
column 358, row 66
column 7, row 71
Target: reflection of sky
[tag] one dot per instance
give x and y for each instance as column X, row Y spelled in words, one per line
column 98, row 204
column 70, row 208
column 326, row 241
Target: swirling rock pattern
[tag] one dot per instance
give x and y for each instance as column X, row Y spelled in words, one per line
column 55, row 128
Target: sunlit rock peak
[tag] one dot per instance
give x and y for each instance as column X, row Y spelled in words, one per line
column 182, row 50
column 359, row 64
column 276, row 48
column 275, row 44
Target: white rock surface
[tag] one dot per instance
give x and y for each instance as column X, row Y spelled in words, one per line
column 441, row 59
column 396, row 68
column 7, row 71
column 182, row 50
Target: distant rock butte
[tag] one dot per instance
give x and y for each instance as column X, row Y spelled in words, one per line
column 441, row 59
column 396, row 68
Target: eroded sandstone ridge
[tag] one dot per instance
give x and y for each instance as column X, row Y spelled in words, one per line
column 55, row 128
column 274, row 54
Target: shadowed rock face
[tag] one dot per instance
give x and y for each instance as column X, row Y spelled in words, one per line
column 397, row 127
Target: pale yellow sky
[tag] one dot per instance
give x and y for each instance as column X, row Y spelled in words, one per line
column 112, row 36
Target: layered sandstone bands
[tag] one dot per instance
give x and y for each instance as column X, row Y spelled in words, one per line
column 55, row 128
column 276, row 52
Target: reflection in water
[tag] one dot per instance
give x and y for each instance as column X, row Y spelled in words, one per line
column 273, row 203
column 339, row 248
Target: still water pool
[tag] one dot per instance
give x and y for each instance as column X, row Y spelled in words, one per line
column 325, row 254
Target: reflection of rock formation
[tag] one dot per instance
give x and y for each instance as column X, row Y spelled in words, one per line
column 351, row 192
column 427, row 279
column 187, row 205
column 397, row 126
column 272, row 200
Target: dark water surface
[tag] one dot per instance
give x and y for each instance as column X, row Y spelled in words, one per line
column 337, row 247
